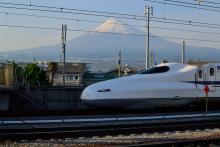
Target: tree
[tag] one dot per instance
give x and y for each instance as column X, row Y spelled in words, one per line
column 34, row 75
column 52, row 68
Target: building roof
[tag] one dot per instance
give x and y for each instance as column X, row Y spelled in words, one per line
column 72, row 68
column 199, row 64
column 128, row 69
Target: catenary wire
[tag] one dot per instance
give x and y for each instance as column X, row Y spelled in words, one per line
column 71, row 19
column 113, row 33
column 162, row 21
column 94, row 21
column 40, row 6
column 62, row 8
column 182, row 5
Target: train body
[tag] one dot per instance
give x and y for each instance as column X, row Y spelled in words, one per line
column 164, row 85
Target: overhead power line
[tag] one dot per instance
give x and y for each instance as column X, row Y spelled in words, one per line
column 113, row 33
column 186, row 30
column 73, row 30
column 61, row 10
column 210, row 2
column 70, row 19
column 186, row 21
column 193, row 4
column 173, row 21
column 186, row 24
column 184, row 5
column 94, row 21
column 29, row 27
column 66, row 11
column 162, row 20
column 71, row 9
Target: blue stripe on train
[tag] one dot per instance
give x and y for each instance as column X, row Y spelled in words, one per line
column 205, row 82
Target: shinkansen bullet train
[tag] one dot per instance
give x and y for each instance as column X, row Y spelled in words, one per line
column 167, row 84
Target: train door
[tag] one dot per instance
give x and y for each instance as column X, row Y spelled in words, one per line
column 200, row 78
column 211, row 77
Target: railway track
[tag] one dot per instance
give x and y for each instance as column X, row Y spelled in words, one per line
column 47, row 128
column 123, row 136
column 64, row 132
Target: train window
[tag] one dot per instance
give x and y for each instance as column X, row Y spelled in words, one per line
column 200, row 73
column 211, row 71
column 155, row 70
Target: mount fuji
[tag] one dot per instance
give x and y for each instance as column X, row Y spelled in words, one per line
column 109, row 38
column 106, row 40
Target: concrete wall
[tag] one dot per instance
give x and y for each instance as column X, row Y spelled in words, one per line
column 50, row 99
column 4, row 102
column 2, row 76
column 9, row 75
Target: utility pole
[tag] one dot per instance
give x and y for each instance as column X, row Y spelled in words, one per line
column 119, row 64
column 151, row 59
column 148, row 11
column 63, row 43
column 183, row 52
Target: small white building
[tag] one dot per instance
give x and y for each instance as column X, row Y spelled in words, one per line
column 72, row 75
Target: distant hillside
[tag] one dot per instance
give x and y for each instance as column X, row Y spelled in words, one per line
column 104, row 45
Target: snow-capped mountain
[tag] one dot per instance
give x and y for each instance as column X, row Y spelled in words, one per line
column 100, row 43
column 115, row 26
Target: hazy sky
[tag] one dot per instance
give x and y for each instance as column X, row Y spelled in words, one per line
column 20, row 38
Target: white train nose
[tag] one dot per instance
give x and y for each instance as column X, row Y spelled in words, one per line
column 87, row 94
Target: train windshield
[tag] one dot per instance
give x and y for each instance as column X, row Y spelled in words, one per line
column 155, row 70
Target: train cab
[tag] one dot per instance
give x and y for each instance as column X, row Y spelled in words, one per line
column 167, row 84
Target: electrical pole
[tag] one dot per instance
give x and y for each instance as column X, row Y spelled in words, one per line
column 119, row 64
column 151, row 59
column 183, row 52
column 63, row 43
column 148, row 11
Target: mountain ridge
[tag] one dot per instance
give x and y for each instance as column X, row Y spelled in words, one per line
column 100, row 43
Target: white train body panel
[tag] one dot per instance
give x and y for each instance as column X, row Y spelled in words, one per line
column 178, row 84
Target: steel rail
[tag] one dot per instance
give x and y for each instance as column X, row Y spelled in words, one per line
column 109, row 118
column 35, row 133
